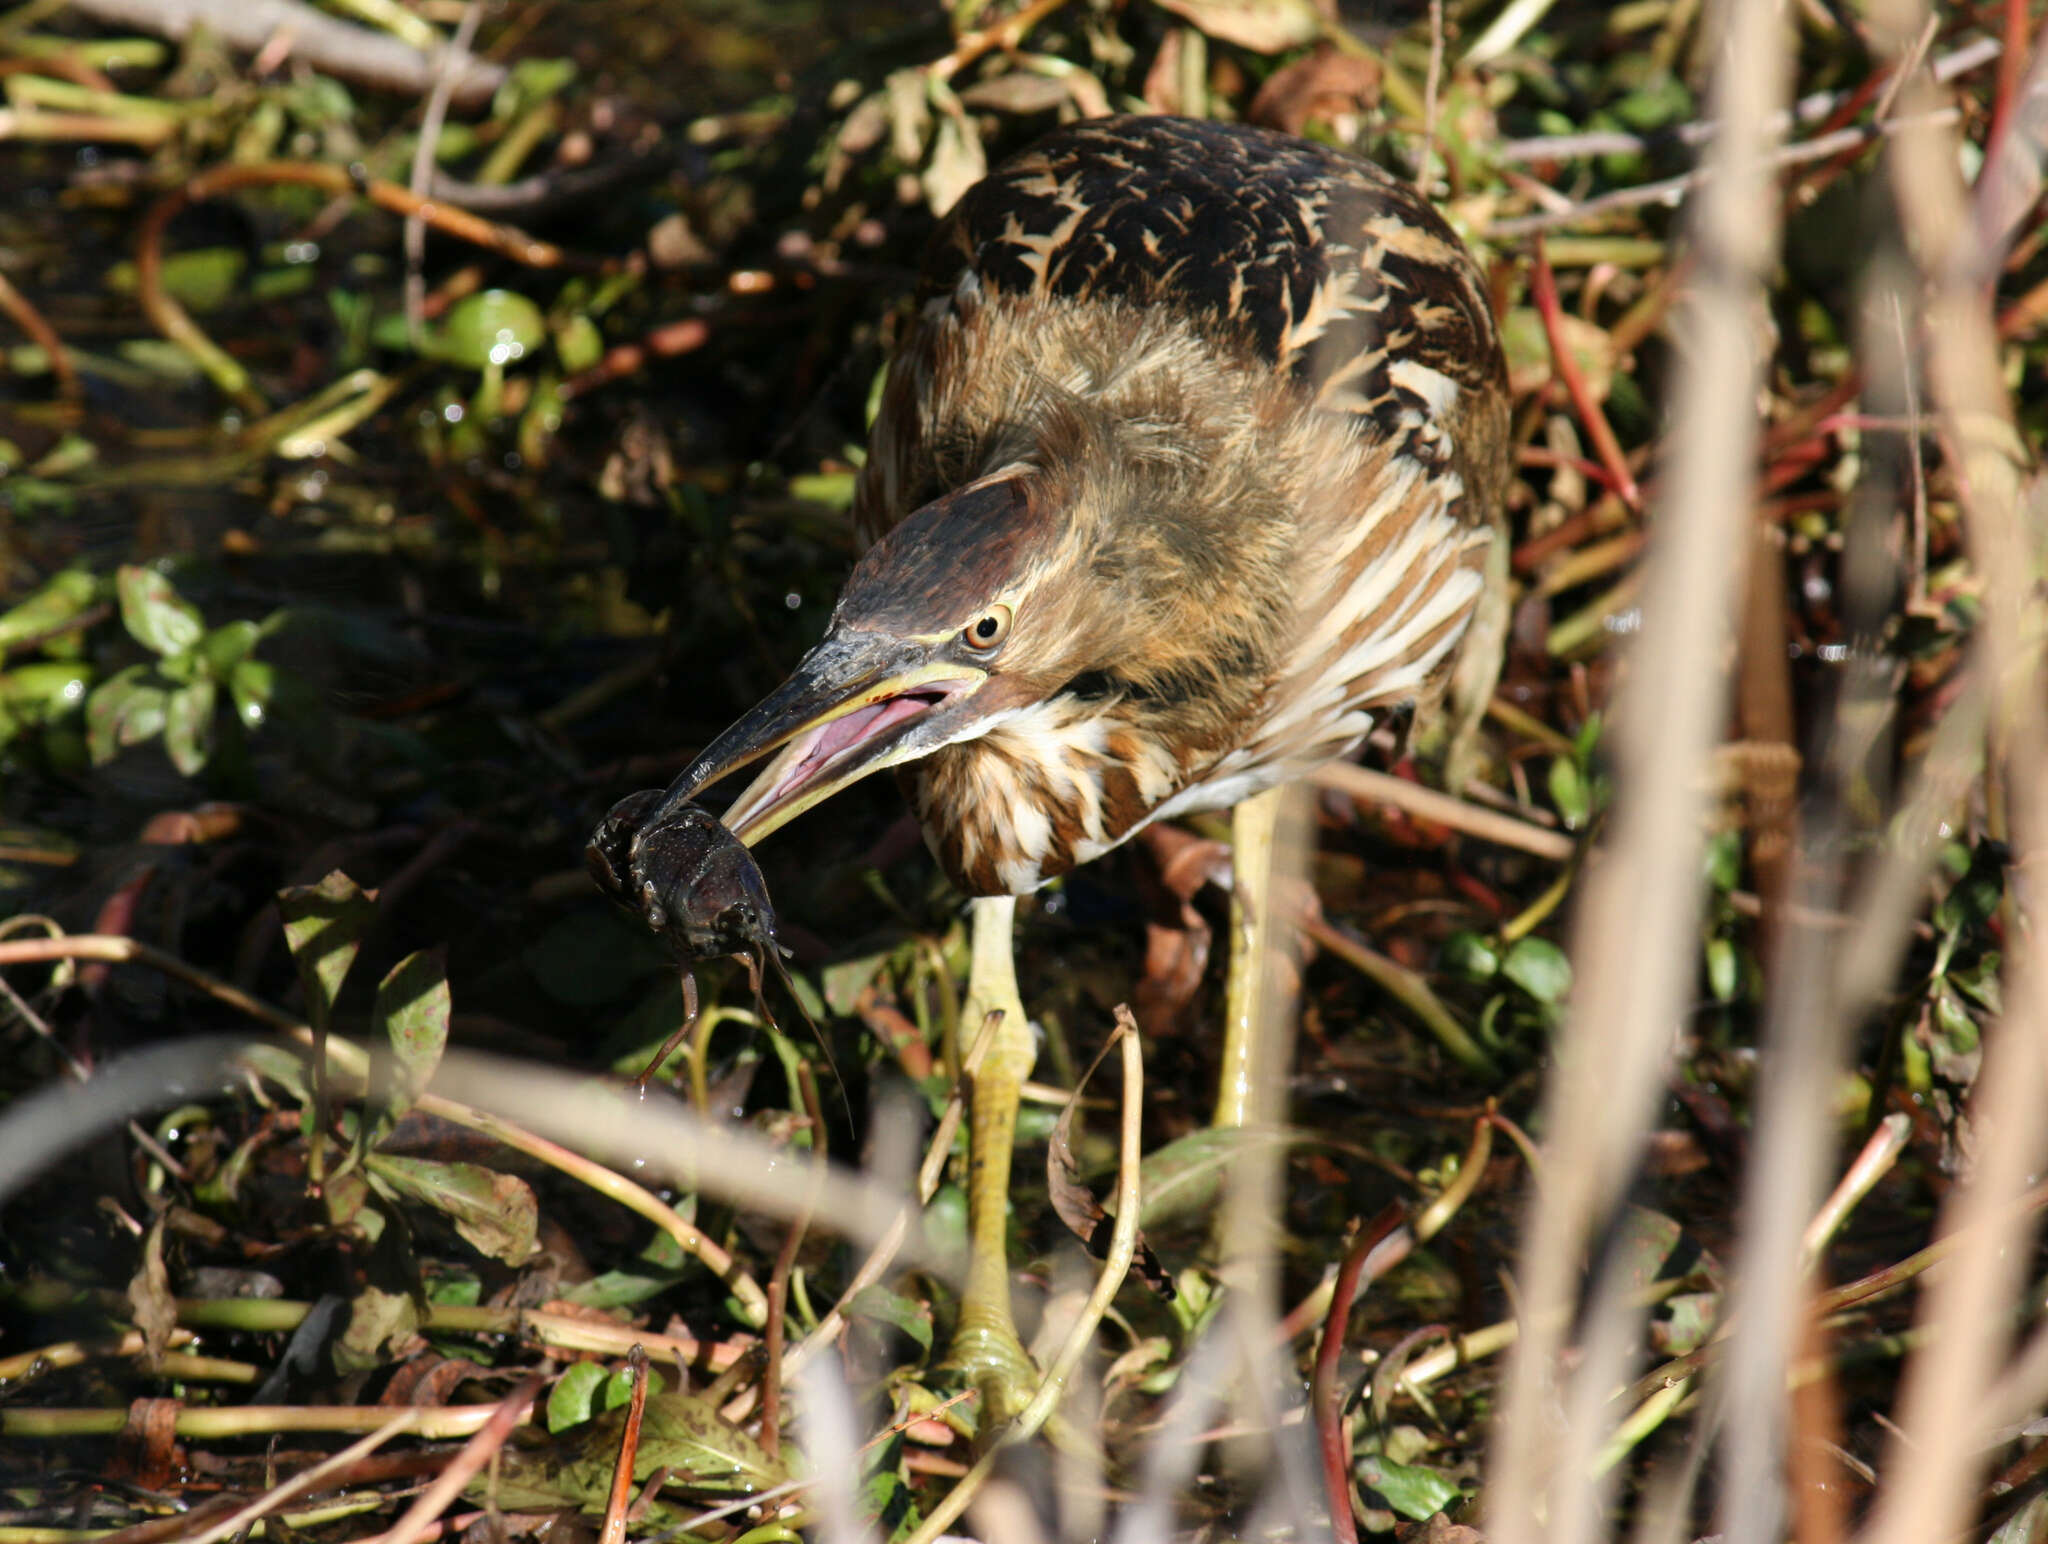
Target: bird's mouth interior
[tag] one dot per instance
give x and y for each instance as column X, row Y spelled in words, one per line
column 816, row 753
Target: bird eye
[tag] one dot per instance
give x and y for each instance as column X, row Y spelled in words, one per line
column 988, row 629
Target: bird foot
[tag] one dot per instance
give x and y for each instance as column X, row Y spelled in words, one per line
column 987, row 1355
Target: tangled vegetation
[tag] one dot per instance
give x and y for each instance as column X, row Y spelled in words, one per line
column 407, row 452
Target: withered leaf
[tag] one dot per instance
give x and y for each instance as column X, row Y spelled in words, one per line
column 1071, row 1198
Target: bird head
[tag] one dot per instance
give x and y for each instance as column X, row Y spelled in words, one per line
column 960, row 616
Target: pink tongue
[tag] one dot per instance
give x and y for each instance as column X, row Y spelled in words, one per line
column 862, row 724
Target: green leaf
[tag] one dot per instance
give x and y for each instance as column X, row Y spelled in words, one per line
column 226, row 647
column 1647, row 1246
column 688, row 1437
column 284, row 1067
column 912, row 1317
column 886, row 1500
column 1979, row 982
column 1724, row 860
column 678, row 1432
column 252, row 684
column 1587, row 740
column 1181, row 1178
column 1686, row 1321
column 958, row 162
column 495, row 1213
column 155, row 614
column 124, row 710
column 188, row 726
column 578, row 344
column 2024, row 1526
column 491, row 327
column 1469, row 955
column 1540, row 968
column 1724, row 970
column 324, row 926
column 574, row 1398
column 45, row 690
column 67, row 595
column 1974, row 898
column 845, row 980
column 1568, row 792
column 201, row 279
column 411, row 1011
column 620, row 1289
column 1408, row 1488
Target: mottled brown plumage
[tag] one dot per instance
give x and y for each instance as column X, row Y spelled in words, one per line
column 1191, row 464
column 1239, row 400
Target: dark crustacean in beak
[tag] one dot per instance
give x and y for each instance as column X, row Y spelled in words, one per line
column 858, row 702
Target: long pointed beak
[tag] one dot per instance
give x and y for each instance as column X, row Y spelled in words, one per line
column 858, row 702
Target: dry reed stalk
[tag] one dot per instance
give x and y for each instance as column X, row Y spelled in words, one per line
column 1933, row 1467
column 1633, row 937
column 1813, row 1009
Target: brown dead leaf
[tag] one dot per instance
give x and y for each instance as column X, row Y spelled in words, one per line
column 1071, row 1198
column 149, row 1297
column 1019, row 91
column 146, row 1452
column 1325, row 85
column 1263, row 26
column 1439, row 1530
column 427, row 1379
column 1177, row 936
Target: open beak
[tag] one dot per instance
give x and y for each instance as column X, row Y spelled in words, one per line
column 858, row 702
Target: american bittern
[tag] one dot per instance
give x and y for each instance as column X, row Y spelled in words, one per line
column 1192, row 464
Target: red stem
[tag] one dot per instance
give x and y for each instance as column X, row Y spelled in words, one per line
column 1543, row 291
column 1325, row 1392
column 2012, row 61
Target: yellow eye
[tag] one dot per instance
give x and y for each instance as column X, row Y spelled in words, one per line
column 988, row 629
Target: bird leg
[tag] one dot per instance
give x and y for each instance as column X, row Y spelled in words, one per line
column 1253, row 935
column 985, row 1344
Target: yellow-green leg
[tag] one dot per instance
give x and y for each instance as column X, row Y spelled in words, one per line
column 985, row 1345
column 1254, row 934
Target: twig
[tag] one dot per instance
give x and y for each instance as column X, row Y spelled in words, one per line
column 306, row 1479
column 613, row 1530
column 1817, row 108
column 334, row 47
column 1372, row 787
column 1871, row 1165
column 1430, row 86
column 463, row 1467
column 1005, row 34
column 437, row 1423
column 785, row 1262
column 1433, row 1218
column 1508, row 29
column 937, row 1151
column 422, row 172
column 1671, row 190
column 25, row 316
column 1410, row 990
column 174, row 322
